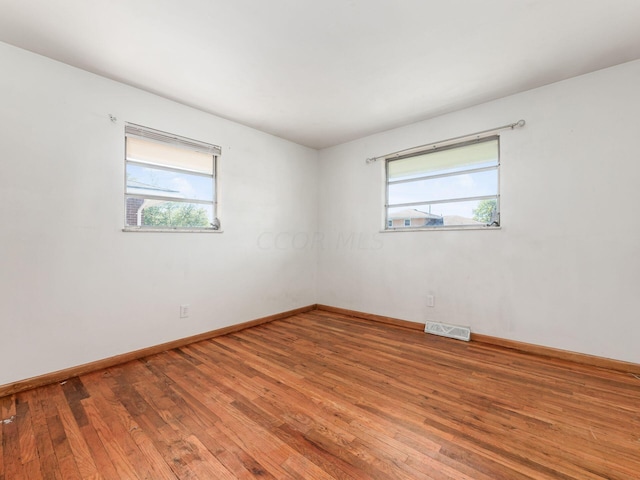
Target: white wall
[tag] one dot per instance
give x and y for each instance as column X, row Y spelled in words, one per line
column 73, row 287
column 564, row 270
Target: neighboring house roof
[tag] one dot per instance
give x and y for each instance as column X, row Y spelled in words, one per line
column 412, row 213
column 447, row 219
column 139, row 188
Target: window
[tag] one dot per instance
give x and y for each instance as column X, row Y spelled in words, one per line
column 170, row 181
column 452, row 186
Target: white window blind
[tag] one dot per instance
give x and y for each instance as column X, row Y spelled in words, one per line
column 447, row 159
column 153, row 153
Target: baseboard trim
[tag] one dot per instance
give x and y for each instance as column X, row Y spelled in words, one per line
column 581, row 358
column 60, row 375
column 370, row 316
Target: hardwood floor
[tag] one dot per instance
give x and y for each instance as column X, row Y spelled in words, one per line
column 323, row 396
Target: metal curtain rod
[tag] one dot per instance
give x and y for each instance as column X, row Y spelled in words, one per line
column 442, row 143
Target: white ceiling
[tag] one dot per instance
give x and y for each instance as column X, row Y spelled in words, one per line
column 322, row 72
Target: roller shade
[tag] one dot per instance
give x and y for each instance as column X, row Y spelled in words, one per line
column 152, row 153
column 476, row 153
column 146, row 145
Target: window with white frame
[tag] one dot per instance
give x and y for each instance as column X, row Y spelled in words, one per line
column 170, row 181
column 452, row 186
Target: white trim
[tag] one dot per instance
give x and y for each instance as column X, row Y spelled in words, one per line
column 170, row 230
column 437, row 229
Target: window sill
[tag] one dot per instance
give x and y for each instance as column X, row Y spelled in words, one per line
column 437, row 229
column 170, row 230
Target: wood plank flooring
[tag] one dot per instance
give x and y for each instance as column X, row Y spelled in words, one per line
column 324, row 396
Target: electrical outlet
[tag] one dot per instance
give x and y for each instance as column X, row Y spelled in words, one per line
column 430, row 301
column 184, row 311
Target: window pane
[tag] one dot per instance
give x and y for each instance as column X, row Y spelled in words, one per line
column 412, row 217
column 476, row 212
column 483, row 153
column 153, row 181
column 168, row 155
column 444, row 188
column 157, row 213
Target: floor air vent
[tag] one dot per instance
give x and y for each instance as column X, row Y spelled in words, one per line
column 446, row 330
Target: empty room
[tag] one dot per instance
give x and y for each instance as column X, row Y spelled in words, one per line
column 339, row 239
